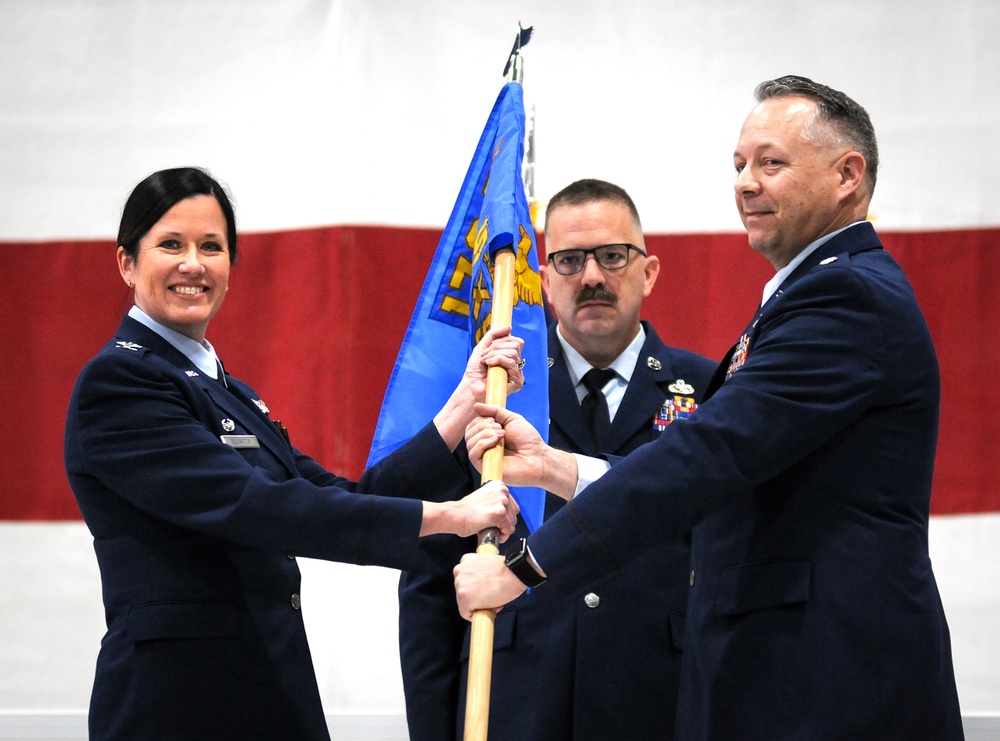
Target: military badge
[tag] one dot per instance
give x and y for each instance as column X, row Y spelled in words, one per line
column 679, row 407
column 680, row 386
column 739, row 355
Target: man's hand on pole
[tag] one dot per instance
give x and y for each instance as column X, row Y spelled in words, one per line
column 527, row 459
column 483, row 582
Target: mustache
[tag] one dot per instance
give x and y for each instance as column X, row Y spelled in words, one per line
column 596, row 293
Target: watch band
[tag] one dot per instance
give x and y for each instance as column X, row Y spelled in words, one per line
column 517, row 561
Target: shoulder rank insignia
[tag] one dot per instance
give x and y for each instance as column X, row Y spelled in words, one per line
column 128, row 345
column 679, row 407
column 680, row 386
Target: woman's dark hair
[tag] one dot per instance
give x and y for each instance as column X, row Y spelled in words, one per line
column 159, row 193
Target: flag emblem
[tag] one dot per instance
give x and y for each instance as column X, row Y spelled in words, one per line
column 453, row 311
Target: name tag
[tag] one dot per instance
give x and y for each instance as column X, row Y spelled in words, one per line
column 241, row 441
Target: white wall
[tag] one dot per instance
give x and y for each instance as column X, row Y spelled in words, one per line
column 51, row 619
column 357, row 111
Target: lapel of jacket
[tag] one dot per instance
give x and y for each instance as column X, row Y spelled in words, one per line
column 239, row 401
column 653, row 370
column 235, row 401
column 562, row 397
column 858, row 238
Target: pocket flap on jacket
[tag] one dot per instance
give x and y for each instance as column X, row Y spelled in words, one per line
column 183, row 620
column 758, row 586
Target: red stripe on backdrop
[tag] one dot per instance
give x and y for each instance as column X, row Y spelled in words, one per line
column 315, row 318
column 956, row 276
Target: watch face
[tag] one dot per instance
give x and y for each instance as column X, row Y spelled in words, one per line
column 518, row 552
column 523, row 570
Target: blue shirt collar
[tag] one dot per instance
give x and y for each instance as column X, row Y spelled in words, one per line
column 202, row 354
column 772, row 285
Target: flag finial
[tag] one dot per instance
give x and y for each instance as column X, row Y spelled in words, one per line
column 513, row 70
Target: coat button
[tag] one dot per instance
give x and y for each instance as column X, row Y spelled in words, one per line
column 591, row 600
column 692, row 577
column 296, row 601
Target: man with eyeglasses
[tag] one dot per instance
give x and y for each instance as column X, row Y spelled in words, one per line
column 602, row 663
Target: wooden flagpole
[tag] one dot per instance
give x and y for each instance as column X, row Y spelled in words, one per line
column 477, row 700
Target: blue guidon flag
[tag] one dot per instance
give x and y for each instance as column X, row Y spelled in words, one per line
column 453, row 311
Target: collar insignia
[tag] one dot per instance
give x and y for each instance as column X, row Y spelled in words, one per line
column 128, row 345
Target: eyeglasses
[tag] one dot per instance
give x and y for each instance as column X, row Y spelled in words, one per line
column 608, row 256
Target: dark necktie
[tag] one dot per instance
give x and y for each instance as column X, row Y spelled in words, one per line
column 595, row 404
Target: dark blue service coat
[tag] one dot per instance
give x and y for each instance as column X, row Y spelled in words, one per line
column 196, row 541
column 814, row 612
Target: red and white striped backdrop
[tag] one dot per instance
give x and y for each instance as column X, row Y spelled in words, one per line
column 344, row 130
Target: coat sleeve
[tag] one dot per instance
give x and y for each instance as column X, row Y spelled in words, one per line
column 817, row 364
column 141, row 433
column 421, row 468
